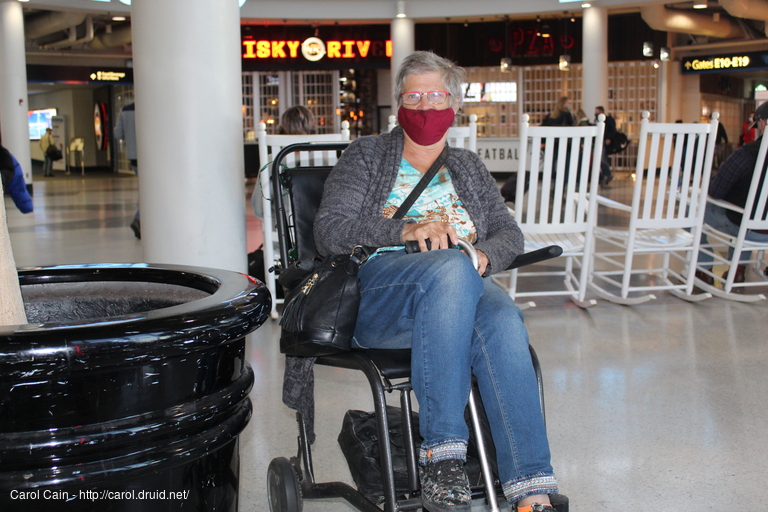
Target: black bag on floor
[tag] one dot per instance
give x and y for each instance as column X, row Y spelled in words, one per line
column 359, row 442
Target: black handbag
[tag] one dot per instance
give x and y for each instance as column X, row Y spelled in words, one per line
column 54, row 153
column 321, row 311
column 321, row 305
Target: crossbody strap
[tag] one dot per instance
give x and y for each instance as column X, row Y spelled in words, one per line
column 421, row 185
column 361, row 253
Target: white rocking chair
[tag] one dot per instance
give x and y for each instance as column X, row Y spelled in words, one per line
column 674, row 164
column 555, row 209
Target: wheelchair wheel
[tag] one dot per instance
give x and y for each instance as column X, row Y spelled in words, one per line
column 283, row 486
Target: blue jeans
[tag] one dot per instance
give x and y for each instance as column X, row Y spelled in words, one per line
column 456, row 324
column 47, row 166
column 715, row 216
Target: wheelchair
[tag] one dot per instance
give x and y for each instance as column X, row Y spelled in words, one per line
column 290, row 480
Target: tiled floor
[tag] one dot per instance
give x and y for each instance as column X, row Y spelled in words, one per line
column 656, row 407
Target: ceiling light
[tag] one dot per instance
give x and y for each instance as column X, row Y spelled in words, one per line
column 506, row 63
column 118, row 18
column 647, row 49
column 565, row 63
column 401, row 9
column 664, row 53
column 699, row 4
column 586, row 5
column 545, row 31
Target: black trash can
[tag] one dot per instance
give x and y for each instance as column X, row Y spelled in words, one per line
column 128, row 388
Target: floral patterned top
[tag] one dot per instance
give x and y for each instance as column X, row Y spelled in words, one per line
column 438, row 203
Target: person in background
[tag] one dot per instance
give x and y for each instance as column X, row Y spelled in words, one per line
column 606, row 176
column 297, row 120
column 561, row 114
column 13, row 181
column 748, row 130
column 454, row 318
column 582, row 118
column 731, row 183
column 125, row 129
column 45, row 141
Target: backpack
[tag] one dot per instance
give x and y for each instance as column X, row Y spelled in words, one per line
column 619, row 143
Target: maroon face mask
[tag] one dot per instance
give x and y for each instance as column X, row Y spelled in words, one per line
column 425, row 127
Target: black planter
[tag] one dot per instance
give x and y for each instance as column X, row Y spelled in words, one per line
column 128, row 388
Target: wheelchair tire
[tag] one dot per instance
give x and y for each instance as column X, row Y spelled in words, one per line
column 283, row 486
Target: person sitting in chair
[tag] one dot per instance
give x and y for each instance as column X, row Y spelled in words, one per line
column 454, row 319
column 731, row 183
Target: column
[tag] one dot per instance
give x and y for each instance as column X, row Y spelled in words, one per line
column 403, row 42
column 187, row 72
column 594, row 88
column 14, row 103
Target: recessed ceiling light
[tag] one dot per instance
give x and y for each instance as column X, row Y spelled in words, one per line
column 118, row 18
column 699, row 4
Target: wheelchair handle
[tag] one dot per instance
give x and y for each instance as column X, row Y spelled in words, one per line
column 471, row 252
column 412, row 246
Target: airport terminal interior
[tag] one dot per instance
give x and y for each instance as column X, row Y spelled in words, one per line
column 658, row 406
column 650, row 407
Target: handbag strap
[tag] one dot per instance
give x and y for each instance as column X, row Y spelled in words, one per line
column 421, row 185
column 361, row 253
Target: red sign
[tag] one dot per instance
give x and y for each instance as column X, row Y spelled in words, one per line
column 314, row 49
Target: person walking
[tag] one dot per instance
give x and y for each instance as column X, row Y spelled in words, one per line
column 125, row 129
column 47, row 141
column 561, row 114
column 606, row 176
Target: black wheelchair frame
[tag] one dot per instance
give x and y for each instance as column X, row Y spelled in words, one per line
column 290, row 480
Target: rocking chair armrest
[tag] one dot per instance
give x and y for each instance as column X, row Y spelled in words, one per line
column 725, row 204
column 529, row 258
column 610, row 203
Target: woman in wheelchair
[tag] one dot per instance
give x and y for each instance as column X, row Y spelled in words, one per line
column 451, row 315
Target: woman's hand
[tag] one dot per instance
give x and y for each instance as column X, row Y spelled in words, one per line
column 438, row 234
column 482, row 260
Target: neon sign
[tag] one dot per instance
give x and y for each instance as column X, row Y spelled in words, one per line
column 315, row 49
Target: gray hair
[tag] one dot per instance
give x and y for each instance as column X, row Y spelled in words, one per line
column 419, row 63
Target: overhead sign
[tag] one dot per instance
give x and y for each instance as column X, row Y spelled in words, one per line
column 726, row 63
column 107, row 76
column 78, row 75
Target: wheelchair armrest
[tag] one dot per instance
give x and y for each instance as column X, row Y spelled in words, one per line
column 529, row 258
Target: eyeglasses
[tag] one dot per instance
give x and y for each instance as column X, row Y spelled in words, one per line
column 433, row 97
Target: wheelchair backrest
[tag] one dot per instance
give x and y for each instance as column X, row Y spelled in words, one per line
column 306, row 191
column 304, row 185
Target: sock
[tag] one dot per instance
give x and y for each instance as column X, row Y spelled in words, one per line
column 528, row 508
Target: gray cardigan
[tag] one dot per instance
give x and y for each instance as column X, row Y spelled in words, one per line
column 358, row 187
